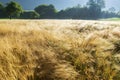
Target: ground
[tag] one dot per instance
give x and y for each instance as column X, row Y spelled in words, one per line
column 59, row 50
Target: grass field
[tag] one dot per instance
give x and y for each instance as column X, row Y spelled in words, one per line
column 59, row 50
column 111, row 19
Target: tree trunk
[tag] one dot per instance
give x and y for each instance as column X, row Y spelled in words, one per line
column 10, row 17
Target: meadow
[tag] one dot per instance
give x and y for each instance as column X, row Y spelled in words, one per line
column 59, row 50
column 111, row 19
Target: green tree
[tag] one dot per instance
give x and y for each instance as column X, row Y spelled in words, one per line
column 46, row 11
column 95, row 8
column 2, row 14
column 112, row 10
column 13, row 9
column 100, row 3
column 30, row 15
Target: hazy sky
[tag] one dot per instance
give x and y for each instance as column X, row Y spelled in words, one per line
column 61, row 4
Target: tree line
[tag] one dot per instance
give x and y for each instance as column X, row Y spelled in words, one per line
column 92, row 10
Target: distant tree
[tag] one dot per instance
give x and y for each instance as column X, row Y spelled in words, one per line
column 2, row 14
column 112, row 9
column 13, row 9
column 95, row 7
column 76, row 12
column 118, row 14
column 109, row 14
column 1, row 7
column 30, row 15
column 100, row 3
column 46, row 11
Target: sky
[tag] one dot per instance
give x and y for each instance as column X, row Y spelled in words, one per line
column 61, row 4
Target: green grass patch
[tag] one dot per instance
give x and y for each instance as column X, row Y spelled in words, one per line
column 111, row 19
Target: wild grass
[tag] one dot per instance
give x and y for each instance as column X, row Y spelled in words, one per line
column 59, row 50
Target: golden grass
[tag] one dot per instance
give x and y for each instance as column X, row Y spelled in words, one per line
column 59, row 50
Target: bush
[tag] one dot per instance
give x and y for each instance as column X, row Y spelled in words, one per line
column 29, row 15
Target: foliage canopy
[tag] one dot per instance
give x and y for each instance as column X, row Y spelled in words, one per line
column 13, row 9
